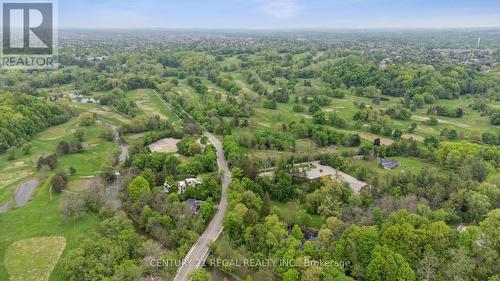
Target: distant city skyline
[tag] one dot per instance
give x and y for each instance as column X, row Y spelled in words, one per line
column 278, row 14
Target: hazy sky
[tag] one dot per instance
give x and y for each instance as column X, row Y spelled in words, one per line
column 278, row 14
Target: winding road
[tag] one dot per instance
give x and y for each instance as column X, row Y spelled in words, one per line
column 199, row 252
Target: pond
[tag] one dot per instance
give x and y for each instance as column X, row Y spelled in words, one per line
column 22, row 195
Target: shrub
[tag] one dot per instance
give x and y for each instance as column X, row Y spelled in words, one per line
column 59, row 182
column 137, row 188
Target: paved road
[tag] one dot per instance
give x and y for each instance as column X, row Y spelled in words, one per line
column 196, row 256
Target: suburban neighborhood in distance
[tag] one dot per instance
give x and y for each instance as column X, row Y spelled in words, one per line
column 250, row 140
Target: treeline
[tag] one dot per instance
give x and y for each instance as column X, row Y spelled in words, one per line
column 22, row 116
column 323, row 136
column 410, row 80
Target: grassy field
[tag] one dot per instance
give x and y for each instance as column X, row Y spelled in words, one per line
column 150, row 104
column 33, row 259
column 41, row 217
column 96, row 157
column 105, row 113
column 13, row 172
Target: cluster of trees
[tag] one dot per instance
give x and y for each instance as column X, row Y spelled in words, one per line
column 124, row 248
column 274, row 140
column 323, row 136
column 399, row 113
column 49, row 161
column 22, row 116
column 495, row 117
column 189, row 146
column 116, row 98
column 197, row 85
column 446, row 111
column 166, row 218
column 69, row 147
column 224, row 81
column 232, row 150
column 386, row 244
column 164, row 164
column 353, row 70
column 59, row 182
column 153, row 127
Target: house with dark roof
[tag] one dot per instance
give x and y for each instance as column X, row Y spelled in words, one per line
column 389, row 164
column 195, row 205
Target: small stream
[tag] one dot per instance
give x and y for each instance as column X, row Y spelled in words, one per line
column 113, row 190
column 123, row 145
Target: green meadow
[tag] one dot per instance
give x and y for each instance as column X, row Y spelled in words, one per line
column 41, row 217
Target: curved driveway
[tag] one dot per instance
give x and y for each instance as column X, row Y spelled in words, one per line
column 196, row 256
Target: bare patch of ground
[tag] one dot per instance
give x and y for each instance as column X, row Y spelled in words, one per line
column 168, row 145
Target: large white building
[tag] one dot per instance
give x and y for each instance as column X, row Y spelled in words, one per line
column 183, row 185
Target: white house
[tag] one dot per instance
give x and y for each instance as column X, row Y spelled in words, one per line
column 183, row 185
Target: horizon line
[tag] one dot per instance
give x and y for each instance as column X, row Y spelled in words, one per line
column 281, row 29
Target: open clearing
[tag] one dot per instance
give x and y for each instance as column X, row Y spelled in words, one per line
column 168, row 145
column 58, row 131
column 33, row 259
column 150, row 104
